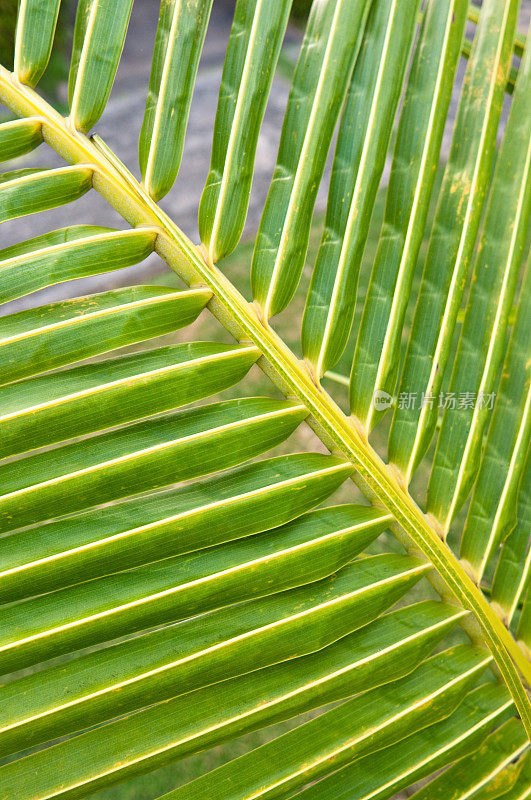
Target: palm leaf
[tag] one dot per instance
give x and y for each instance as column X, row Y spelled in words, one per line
column 167, row 583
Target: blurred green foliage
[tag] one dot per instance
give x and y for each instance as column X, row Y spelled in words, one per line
column 8, row 16
column 57, row 70
column 300, row 10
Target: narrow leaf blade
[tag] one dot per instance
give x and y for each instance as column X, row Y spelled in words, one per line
column 180, row 35
column 99, row 36
column 229, row 642
column 363, row 139
column 453, row 235
column 492, row 512
column 252, row 54
column 52, row 408
column 415, row 159
column 381, row 775
column 469, row 777
column 319, row 86
column 482, row 341
column 19, row 137
column 34, row 35
column 31, row 191
column 68, row 254
column 350, row 731
column 61, row 333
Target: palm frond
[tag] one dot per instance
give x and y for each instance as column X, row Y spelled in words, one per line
column 174, row 574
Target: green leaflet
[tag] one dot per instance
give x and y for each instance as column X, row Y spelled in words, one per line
column 363, row 139
column 30, row 191
column 99, row 36
column 492, row 512
column 482, row 342
column 320, row 82
column 518, row 48
column 355, row 728
column 229, row 642
column 521, row 787
column 180, row 35
column 188, row 724
column 381, row 775
column 455, row 227
column 246, row 501
column 18, row 137
column 413, row 170
column 471, row 776
column 67, row 254
column 519, row 39
column 147, row 455
column 174, row 589
column 60, row 333
column 83, row 399
column 252, row 54
column 513, row 570
column 36, row 23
